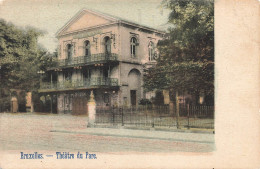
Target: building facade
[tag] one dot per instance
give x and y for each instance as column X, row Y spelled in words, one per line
column 102, row 53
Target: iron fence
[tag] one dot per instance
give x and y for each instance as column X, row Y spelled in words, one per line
column 156, row 116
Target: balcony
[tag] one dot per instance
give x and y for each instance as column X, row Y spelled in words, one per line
column 87, row 60
column 79, row 84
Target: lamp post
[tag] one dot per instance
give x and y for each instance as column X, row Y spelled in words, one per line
column 41, row 72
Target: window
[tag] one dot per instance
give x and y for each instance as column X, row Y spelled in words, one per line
column 87, row 48
column 133, row 47
column 69, row 51
column 105, row 72
column 151, row 51
column 68, row 76
column 86, row 74
column 106, row 98
column 107, row 45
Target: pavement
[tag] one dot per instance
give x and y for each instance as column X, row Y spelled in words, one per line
column 180, row 135
column 71, row 124
column 59, row 132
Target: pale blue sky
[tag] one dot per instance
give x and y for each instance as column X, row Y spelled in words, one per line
column 51, row 15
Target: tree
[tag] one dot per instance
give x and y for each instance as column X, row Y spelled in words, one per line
column 20, row 59
column 186, row 59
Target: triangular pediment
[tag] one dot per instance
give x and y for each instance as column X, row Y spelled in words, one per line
column 85, row 19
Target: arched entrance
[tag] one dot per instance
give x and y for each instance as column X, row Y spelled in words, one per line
column 134, row 83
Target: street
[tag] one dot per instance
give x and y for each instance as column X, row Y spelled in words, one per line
column 33, row 132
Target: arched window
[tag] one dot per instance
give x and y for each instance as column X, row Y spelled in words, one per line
column 107, row 45
column 151, row 50
column 69, row 51
column 87, row 48
column 133, row 47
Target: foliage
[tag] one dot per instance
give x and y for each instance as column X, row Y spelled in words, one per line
column 158, row 99
column 145, row 102
column 21, row 58
column 187, row 54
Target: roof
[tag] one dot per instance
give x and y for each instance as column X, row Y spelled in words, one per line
column 115, row 19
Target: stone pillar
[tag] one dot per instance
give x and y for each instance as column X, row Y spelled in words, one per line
column 32, row 107
column 51, row 102
column 14, row 105
column 171, row 107
column 91, row 110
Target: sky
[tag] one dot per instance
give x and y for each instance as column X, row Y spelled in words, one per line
column 50, row 15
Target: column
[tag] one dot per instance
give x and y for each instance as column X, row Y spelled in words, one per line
column 91, row 110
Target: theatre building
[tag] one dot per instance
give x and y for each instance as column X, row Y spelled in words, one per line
column 100, row 53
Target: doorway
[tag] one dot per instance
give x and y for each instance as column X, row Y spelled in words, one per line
column 67, row 104
column 79, row 105
column 133, row 97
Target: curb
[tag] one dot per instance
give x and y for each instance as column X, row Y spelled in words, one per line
column 132, row 136
column 182, row 130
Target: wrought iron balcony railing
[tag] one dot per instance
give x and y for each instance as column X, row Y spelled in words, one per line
column 88, row 83
column 92, row 59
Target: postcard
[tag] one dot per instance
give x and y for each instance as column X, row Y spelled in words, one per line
column 129, row 84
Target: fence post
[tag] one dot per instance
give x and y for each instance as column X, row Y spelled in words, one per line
column 153, row 120
column 122, row 116
column 146, row 121
column 146, row 111
column 188, row 109
column 113, row 115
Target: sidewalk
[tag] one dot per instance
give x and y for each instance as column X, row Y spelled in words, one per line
column 198, row 135
column 78, row 125
column 207, row 138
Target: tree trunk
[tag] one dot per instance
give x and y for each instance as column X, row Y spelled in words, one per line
column 177, row 110
column 172, row 102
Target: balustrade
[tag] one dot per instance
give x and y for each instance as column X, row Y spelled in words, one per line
column 88, row 83
column 92, row 59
